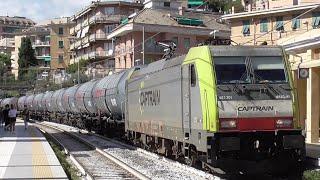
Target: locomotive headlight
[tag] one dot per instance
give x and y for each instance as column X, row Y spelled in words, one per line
column 284, row 123
column 228, row 124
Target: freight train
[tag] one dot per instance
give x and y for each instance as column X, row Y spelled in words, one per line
column 223, row 106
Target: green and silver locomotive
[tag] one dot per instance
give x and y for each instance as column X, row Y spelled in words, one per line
column 215, row 105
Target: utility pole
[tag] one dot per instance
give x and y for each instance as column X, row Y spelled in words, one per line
column 142, row 44
column 78, row 71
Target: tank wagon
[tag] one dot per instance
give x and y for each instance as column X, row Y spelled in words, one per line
column 215, row 105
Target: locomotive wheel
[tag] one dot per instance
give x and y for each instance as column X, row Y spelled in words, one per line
column 192, row 160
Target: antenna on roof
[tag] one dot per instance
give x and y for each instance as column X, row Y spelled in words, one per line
column 169, row 49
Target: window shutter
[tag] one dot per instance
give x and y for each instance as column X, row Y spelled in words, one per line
column 264, row 25
column 246, row 27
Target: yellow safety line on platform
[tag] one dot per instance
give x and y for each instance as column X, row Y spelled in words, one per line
column 41, row 168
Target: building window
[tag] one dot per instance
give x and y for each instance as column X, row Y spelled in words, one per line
column 110, row 28
column 193, row 76
column 295, row 22
column 279, row 23
column 60, row 30
column 175, row 40
column 246, row 27
column 264, row 25
column 109, row 10
column 315, row 19
column 107, row 46
column 166, row 4
column 60, row 59
column 186, row 43
column 60, row 44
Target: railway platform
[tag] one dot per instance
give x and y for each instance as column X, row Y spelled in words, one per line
column 26, row 154
column 313, row 152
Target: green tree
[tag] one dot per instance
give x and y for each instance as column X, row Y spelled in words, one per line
column 5, row 64
column 73, row 68
column 26, row 57
column 225, row 5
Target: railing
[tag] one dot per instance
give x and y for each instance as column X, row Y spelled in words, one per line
column 98, row 36
column 105, row 18
column 41, row 43
column 42, row 55
column 96, row 54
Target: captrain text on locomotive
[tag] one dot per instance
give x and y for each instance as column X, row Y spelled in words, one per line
column 213, row 105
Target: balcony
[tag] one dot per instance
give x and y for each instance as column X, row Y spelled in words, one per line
column 98, row 54
column 98, row 36
column 37, row 44
column 106, row 18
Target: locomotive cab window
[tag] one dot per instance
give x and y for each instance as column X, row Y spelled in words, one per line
column 193, row 78
column 231, row 70
column 269, row 69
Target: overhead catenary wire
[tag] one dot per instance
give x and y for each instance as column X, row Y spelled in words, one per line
column 306, row 12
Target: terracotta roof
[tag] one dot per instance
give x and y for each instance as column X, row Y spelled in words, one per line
column 21, row 20
column 167, row 17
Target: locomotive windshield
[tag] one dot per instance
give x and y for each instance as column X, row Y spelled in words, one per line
column 245, row 70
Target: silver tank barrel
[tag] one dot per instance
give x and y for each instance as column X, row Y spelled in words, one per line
column 68, row 99
column 54, row 100
column 61, row 108
column 21, row 102
column 109, row 93
column 84, row 99
column 37, row 102
column 46, row 101
column 29, row 101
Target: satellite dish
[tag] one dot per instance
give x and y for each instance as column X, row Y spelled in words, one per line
column 110, row 52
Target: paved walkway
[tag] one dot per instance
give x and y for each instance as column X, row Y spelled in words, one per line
column 313, row 152
column 27, row 155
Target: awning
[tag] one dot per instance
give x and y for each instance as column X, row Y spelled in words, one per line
column 125, row 21
column 195, row 2
column 47, row 59
column 84, row 31
column 79, row 34
column 48, row 36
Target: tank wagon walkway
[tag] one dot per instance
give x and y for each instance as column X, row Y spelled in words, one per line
column 27, row 155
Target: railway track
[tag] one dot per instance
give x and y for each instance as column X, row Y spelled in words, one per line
column 147, row 165
column 92, row 163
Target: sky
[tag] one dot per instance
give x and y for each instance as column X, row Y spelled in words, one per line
column 38, row 10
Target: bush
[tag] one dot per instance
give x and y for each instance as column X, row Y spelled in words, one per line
column 311, row 175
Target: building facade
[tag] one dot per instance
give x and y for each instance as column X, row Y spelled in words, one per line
column 135, row 38
column 296, row 28
column 10, row 25
column 91, row 27
column 50, row 43
column 256, row 5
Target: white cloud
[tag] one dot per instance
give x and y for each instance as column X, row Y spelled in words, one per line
column 38, row 10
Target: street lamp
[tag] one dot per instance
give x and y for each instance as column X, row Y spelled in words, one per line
column 214, row 33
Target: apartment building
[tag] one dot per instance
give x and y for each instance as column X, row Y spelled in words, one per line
column 256, row 5
column 185, row 29
column 296, row 28
column 91, row 27
column 11, row 25
column 50, row 42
